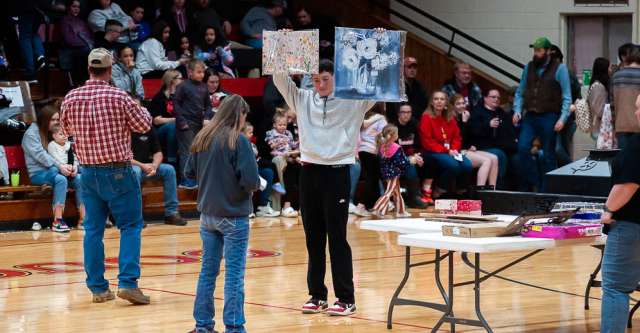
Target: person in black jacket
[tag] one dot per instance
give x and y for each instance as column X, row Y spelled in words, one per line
column 164, row 120
column 491, row 130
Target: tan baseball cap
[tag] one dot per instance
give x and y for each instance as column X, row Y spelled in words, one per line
column 100, row 58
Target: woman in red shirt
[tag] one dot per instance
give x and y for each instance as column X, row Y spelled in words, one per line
column 441, row 142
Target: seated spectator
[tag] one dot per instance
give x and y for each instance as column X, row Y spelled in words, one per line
column 491, row 130
column 77, row 41
column 147, row 164
column 285, row 152
column 408, row 140
column 108, row 38
column 152, row 56
column 125, row 75
column 177, row 18
column 258, row 19
column 204, row 16
column 266, row 171
column 416, row 93
column 143, row 28
column 161, row 109
column 486, row 163
column 374, row 122
column 44, row 169
column 325, row 25
column 60, row 149
column 185, row 49
column 441, row 142
column 108, row 10
column 215, row 55
column 462, row 84
column 215, row 91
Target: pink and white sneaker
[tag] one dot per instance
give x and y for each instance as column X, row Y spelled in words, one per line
column 341, row 309
column 314, row 305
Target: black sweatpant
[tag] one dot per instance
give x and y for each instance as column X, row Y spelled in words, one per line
column 324, row 201
column 371, row 168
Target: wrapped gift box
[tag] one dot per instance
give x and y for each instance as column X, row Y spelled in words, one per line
column 443, row 206
column 562, row 231
column 470, row 207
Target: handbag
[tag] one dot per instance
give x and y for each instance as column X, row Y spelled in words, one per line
column 583, row 113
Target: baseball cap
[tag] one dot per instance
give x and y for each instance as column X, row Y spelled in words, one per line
column 410, row 61
column 541, row 43
column 100, row 58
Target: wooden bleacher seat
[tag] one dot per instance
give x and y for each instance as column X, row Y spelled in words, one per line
column 15, row 161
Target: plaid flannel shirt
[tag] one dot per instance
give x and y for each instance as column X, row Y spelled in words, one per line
column 100, row 118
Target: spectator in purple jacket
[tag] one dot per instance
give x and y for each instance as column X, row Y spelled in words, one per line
column 77, row 41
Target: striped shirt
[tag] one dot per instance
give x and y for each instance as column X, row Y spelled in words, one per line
column 101, row 118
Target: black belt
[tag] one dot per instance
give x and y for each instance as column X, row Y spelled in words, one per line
column 111, row 165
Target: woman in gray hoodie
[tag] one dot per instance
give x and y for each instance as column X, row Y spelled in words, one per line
column 223, row 163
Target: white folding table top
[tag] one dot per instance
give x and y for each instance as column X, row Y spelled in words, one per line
column 433, row 240
column 414, row 225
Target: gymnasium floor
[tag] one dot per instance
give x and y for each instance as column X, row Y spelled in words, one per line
column 52, row 297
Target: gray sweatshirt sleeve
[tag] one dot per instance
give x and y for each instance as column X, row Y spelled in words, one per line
column 246, row 166
column 287, row 88
column 32, row 147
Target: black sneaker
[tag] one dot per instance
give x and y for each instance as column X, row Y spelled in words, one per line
column 341, row 309
column 314, row 305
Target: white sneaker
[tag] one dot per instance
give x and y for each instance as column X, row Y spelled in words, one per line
column 267, row 211
column 361, row 211
column 391, row 206
column 289, row 212
column 352, row 208
column 36, row 226
column 403, row 215
column 252, row 216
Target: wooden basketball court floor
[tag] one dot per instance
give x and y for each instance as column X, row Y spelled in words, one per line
column 42, row 285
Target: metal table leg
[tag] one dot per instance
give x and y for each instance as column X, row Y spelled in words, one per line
column 592, row 278
column 396, row 300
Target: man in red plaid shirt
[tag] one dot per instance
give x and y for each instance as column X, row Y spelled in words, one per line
column 101, row 118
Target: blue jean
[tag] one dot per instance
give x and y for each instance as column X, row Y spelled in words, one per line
column 228, row 237
column 452, row 173
column 564, row 143
column 620, row 275
column 115, row 190
column 30, row 42
column 167, row 136
column 167, row 173
column 267, row 174
column 536, row 124
column 354, row 172
column 60, row 185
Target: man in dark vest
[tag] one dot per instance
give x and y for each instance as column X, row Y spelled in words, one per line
column 544, row 95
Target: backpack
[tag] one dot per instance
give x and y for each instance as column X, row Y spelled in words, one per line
column 583, row 113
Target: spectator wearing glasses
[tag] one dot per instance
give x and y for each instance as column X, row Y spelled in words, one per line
column 462, row 84
column 108, row 39
column 491, row 130
column 108, row 10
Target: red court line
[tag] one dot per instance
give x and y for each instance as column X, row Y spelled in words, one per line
column 198, row 272
column 111, row 238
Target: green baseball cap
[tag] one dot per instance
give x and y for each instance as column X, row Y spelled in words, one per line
column 541, row 43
